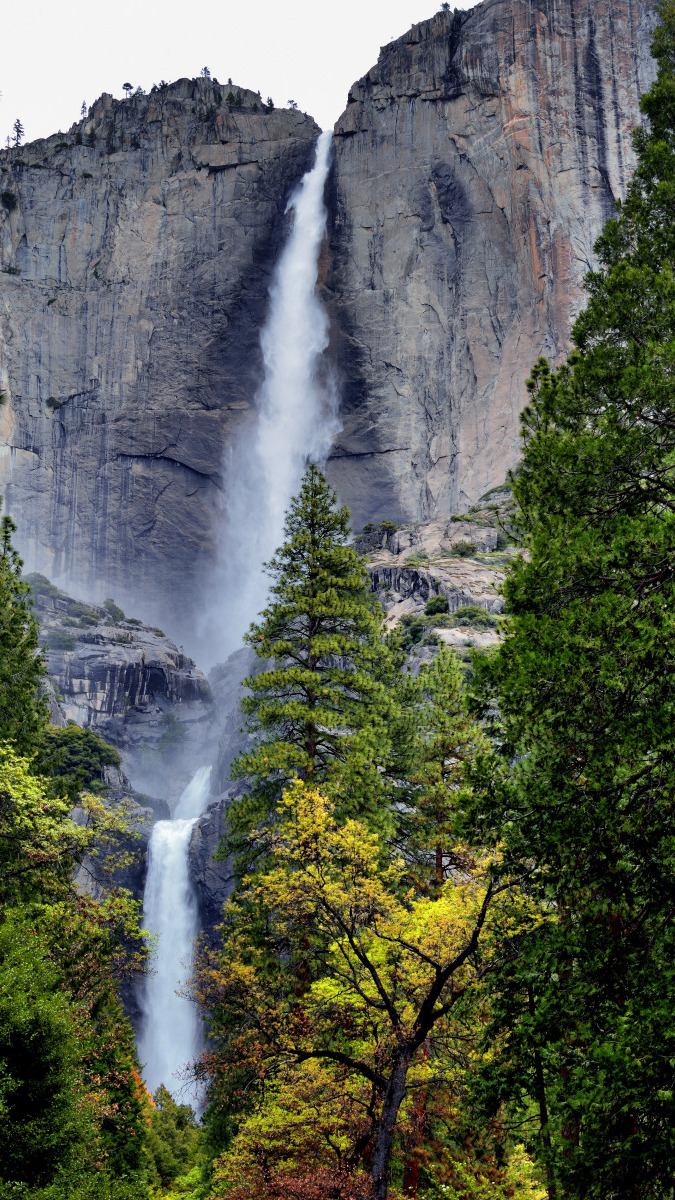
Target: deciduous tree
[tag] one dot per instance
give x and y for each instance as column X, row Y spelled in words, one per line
column 326, row 959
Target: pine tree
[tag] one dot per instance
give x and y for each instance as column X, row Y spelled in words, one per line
column 23, row 711
column 448, row 742
column 328, row 709
column 585, row 683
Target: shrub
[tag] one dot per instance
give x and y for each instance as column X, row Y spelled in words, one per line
column 79, row 756
column 475, row 616
column 41, row 586
column 85, row 612
column 115, row 612
column 463, row 550
column 388, row 526
column 9, row 201
column 173, row 732
column 58, row 640
column 437, row 604
column 51, row 401
column 503, row 540
column 415, row 630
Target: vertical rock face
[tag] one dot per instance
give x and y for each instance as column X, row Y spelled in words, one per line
column 474, row 168
column 136, row 254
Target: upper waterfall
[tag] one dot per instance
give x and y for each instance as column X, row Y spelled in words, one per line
column 296, row 419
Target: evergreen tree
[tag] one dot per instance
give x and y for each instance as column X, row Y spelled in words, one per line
column 327, row 709
column 23, row 711
column 448, row 741
column 586, row 688
column 173, row 1138
column 43, row 1113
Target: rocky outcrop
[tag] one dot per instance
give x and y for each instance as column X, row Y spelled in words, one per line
column 462, row 559
column 474, row 168
column 213, row 881
column 136, row 253
column 131, row 684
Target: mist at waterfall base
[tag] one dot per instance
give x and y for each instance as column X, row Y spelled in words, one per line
column 170, row 1037
column 296, row 421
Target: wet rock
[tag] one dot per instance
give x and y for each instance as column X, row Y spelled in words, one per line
column 129, row 683
column 136, row 265
column 213, row 881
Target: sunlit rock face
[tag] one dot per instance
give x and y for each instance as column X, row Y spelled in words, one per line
column 475, row 167
column 136, row 252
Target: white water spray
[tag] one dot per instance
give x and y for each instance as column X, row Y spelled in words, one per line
column 297, row 420
column 170, row 1037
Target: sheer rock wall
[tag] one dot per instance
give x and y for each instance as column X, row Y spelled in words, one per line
column 475, row 167
column 136, row 253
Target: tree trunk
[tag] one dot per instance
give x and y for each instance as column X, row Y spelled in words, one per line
column 540, row 1090
column 384, row 1136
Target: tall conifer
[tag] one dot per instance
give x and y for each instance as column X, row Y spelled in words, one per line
column 23, row 711
column 586, row 688
column 326, row 709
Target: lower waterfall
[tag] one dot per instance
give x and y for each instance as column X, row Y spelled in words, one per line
column 296, row 422
column 170, row 1034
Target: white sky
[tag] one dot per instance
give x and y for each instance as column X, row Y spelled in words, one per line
column 55, row 55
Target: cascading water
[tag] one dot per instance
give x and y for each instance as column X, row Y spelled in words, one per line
column 296, row 422
column 170, row 1033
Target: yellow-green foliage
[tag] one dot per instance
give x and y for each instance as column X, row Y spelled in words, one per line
column 334, row 972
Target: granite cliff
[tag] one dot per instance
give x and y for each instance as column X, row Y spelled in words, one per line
column 132, row 685
column 136, row 253
column 474, row 168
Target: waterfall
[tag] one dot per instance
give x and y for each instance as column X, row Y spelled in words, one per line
column 170, row 1036
column 296, row 423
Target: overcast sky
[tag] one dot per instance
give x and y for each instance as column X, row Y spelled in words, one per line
column 55, row 55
